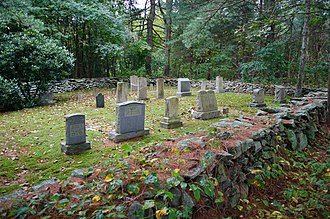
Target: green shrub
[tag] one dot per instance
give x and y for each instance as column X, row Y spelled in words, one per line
column 10, row 98
column 33, row 60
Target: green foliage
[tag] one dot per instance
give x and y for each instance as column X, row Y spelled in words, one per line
column 33, row 60
column 269, row 65
column 10, row 98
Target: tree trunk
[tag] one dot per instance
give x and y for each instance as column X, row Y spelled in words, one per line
column 150, row 40
column 304, row 40
column 329, row 93
column 168, row 33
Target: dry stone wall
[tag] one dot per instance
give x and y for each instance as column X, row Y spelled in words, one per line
column 229, row 86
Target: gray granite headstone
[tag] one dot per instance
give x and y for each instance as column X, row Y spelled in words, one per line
column 121, row 92
column 280, row 94
column 99, row 100
column 75, row 135
column 142, row 91
column 219, row 85
column 258, row 99
column 203, row 85
column 134, row 80
column 130, row 118
column 207, row 107
column 171, row 118
column 160, row 88
column 183, row 87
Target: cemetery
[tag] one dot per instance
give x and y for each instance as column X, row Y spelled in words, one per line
column 163, row 109
column 112, row 138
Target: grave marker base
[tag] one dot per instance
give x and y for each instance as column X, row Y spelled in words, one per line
column 182, row 94
column 206, row 115
column 117, row 137
column 171, row 125
column 71, row 149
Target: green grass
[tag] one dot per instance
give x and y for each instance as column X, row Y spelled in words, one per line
column 30, row 138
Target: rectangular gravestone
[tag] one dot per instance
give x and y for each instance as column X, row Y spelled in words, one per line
column 121, row 92
column 142, row 91
column 183, row 87
column 75, row 135
column 258, row 99
column 99, row 100
column 203, row 85
column 160, row 88
column 171, row 119
column 219, row 85
column 280, row 94
column 134, row 80
column 207, row 107
column 46, row 98
column 130, row 118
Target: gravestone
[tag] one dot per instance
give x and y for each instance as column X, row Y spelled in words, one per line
column 203, row 85
column 160, row 88
column 207, row 107
column 121, row 92
column 258, row 98
column 99, row 100
column 142, row 91
column 75, row 135
column 46, row 98
column 219, row 85
column 134, row 80
column 280, row 94
column 151, row 87
column 183, row 87
column 171, row 119
column 129, row 121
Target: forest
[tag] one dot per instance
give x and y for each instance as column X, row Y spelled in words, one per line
column 265, row 41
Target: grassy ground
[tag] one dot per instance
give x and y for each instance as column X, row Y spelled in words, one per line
column 30, row 138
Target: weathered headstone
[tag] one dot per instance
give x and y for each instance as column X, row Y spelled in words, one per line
column 151, row 87
column 142, row 91
column 134, row 80
column 203, row 85
column 207, row 107
column 183, row 87
column 75, row 135
column 46, row 98
column 160, row 88
column 280, row 94
column 121, row 92
column 171, row 118
column 258, row 98
column 99, row 100
column 129, row 121
column 219, row 85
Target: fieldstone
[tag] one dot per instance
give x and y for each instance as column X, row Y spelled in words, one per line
column 258, row 146
column 177, row 194
column 184, row 144
column 44, row 184
column 292, row 138
column 193, row 173
column 225, row 135
column 274, row 109
column 302, row 140
column 246, row 145
column 81, row 173
column 187, row 200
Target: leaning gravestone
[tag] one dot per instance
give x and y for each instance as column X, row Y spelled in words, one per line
column 203, row 85
column 129, row 121
column 280, row 94
column 258, row 98
column 134, row 80
column 142, row 91
column 160, row 88
column 75, row 135
column 99, row 100
column 171, row 119
column 219, row 84
column 207, row 107
column 121, row 92
column 183, row 87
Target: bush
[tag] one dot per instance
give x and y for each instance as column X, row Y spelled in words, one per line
column 10, row 98
column 33, row 61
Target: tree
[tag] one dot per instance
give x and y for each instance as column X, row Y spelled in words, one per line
column 168, row 34
column 304, row 42
column 150, row 38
